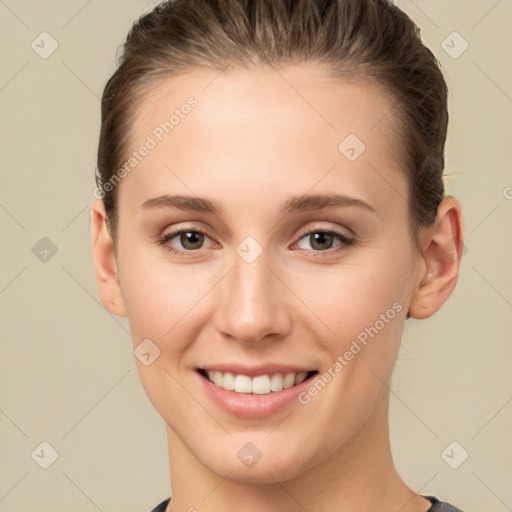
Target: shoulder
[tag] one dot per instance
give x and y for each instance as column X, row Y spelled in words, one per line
column 441, row 506
column 162, row 506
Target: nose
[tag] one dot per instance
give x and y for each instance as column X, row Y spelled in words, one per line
column 253, row 306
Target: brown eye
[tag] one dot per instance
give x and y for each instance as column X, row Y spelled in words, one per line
column 183, row 242
column 191, row 240
column 325, row 240
column 321, row 241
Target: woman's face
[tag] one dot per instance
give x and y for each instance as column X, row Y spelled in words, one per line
column 267, row 282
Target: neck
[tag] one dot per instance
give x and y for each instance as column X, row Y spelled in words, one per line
column 360, row 475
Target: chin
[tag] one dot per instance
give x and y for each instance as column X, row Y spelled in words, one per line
column 260, row 474
column 276, row 466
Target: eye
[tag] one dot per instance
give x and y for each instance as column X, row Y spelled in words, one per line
column 323, row 240
column 190, row 240
column 186, row 242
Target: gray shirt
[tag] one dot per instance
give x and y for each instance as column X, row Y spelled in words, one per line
column 437, row 506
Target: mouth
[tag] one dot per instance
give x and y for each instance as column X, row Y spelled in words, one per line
column 264, row 384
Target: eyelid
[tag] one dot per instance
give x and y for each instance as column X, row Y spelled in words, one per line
column 183, row 227
column 314, row 228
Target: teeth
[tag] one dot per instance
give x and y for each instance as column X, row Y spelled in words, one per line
column 228, row 381
column 276, row 382
column 260, row 385
column 217, row 378
column 289, row 380
column 243, row 384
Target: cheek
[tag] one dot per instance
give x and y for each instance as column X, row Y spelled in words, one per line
column 364, row 306
column 364, row 309
column 348, row 298
column 159, row 300
column 154, row 294
column 164, row 301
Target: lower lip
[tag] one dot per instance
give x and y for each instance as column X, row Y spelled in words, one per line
column 252, row 405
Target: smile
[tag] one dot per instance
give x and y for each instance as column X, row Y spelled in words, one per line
column 259, row 385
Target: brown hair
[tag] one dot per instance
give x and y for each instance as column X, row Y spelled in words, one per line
column 369, row 39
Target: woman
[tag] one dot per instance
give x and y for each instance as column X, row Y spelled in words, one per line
column 271, row 211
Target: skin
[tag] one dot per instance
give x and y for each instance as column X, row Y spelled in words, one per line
column 250, row 144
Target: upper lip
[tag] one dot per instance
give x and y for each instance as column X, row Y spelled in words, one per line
column 255, row 370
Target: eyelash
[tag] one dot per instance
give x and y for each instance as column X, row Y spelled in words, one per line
column 345, row 241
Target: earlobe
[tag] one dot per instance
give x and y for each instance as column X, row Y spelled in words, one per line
column 105, row 262
column 441, row 256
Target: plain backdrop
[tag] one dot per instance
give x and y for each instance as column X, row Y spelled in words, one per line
column 68, row 374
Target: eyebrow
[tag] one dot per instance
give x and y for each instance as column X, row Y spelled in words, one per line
column 191, row 203
column 319, row 201
column 293, row 204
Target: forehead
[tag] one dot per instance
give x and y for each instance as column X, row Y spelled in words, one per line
column 266, row 97
column 267, row 124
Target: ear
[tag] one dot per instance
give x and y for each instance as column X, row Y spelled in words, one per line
column 105, row 261
column 443, row 245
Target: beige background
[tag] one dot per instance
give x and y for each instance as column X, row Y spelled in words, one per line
column 68, row 375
